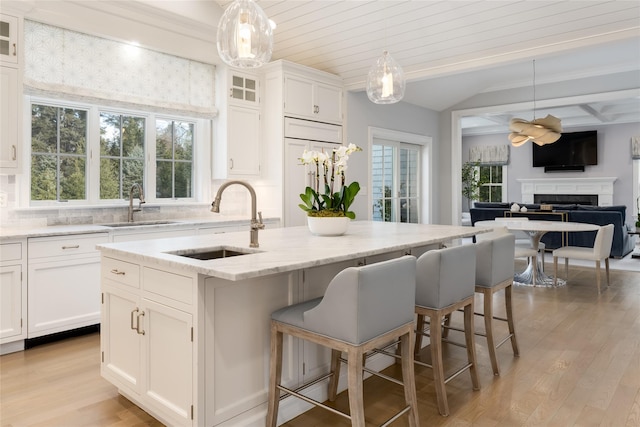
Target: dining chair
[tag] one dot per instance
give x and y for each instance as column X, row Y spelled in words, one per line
column 363, row 309
column 601, row 251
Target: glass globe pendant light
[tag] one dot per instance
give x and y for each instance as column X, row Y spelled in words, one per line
column 385, row 82
column 245, row 35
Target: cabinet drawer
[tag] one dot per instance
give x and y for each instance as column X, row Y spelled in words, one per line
column 11, row 252
column 45, row 247
column 121, row 272
column 174, row 286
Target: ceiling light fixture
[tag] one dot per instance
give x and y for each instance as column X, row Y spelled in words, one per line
column 541, row 131
column 245, row 35
column 385, row 82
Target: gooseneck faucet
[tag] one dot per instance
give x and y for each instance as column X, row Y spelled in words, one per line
column 140, row 196
column 256, row 224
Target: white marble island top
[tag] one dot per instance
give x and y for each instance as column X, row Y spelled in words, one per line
column 284, row 249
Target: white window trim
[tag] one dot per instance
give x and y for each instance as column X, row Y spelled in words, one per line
column 424, row 174
column 201, row 152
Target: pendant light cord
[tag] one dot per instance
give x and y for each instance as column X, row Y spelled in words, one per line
column 534, row 89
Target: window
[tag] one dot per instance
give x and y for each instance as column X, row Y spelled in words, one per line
column 86, row 154
column 58, row 153
column 121, row 154
column 174, row 159
column 494, row 188
column 395, row 171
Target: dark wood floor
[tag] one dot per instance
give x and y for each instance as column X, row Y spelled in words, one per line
column 579, row 366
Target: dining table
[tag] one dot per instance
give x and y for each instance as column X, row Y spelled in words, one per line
column 535, row 230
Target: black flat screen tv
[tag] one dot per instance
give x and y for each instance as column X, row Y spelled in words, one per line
column 573, row 151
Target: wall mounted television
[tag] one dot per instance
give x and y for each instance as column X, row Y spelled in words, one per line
column 572, row 152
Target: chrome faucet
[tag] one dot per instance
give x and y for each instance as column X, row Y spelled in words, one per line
column 140, row 196
column 256, row 224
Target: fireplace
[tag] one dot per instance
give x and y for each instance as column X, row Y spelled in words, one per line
column 587, row 187
column 566, row 199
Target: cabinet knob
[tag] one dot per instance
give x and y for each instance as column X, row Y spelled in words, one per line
column 316, row 109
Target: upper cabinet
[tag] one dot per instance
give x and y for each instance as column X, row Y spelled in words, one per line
column 9, row 40
column 237, row 151
column 307, row 97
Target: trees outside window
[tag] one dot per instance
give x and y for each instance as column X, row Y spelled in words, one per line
column 174, row 159
column 58, row 153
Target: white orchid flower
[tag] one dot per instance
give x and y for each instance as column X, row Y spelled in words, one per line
column 308, row 157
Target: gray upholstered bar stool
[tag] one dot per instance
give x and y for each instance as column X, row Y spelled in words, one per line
column 494, row 272
column 445, row 282
column 363, row 308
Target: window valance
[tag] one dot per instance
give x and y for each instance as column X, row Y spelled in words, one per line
column 79, row 65
column 635, row 147
column 489, row 154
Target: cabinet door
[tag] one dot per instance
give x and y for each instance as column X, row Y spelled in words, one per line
column 328, row 103
column 298, row 96
column 168, row 361
column 63, row 295
column 8, row 118
column 10, row 302
column 119, row 339
column 243, row 141
column 298, row 177
column 9, row 39
column 244, row 89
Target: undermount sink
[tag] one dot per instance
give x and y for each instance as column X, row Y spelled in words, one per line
column 212, row 253
column 137, row 224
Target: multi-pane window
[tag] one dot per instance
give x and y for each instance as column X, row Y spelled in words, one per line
column 493, row 188
column 174, row 159
column 58, row 153
column 395, row 177
column 121, row 154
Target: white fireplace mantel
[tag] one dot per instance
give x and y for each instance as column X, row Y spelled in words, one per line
column 602, row 186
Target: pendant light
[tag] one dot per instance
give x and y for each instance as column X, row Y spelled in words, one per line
column 541, row 131
column 245, row 35
column 385, row 82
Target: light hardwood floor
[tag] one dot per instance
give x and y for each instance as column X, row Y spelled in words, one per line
column 579, row 365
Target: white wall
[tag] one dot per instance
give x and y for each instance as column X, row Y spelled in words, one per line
column 362, row 113
column 614, row 160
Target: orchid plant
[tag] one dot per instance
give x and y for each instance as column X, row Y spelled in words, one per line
column 321, row 200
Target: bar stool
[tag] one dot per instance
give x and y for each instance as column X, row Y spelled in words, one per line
column 363, row 308
column 494, row 272
column 445, row 281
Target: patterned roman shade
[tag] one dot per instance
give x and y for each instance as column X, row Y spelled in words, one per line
column 489, row 154
column 635, row 147
column 89, row 68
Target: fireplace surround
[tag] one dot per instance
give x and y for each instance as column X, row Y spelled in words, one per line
column 566, row 199
column 601, row 187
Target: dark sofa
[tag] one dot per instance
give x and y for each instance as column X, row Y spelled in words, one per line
column 623, row 243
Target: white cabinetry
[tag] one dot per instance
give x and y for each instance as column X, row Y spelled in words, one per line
column 128, row 236
column 147, row 338
column 9, row 39
column 13, row 296
column 10, row 101
column 237, row 145
column 306, row 97
column 63, row 283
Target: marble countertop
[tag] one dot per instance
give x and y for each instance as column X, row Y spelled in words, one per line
column 284, row 249
column 8, row 233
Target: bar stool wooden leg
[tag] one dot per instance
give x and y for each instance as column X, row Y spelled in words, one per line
column 275, row 369
column 355, row 378
column 419, row 332
column 510, row 322
column 408, row 377
column 335, row 369
column 469, row 332
column 488, row 326
column 436, row 362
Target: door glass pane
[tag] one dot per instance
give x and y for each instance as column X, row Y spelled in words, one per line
column 4, row 28
column 4, row 47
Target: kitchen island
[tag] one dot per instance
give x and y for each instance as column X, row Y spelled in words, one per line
column 187, row 339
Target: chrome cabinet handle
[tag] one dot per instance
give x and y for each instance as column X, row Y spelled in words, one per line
column 141, row 332
column 71, row 247
column 132, row 316
column 231, row 162
column 14, row 152
column 117, row 272
column 15, row 50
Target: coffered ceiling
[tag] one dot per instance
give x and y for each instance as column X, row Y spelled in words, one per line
column 453, row 50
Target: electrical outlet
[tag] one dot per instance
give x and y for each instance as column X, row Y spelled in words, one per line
column 3, row 199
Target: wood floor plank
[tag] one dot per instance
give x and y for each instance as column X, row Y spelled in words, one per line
column 579, row 365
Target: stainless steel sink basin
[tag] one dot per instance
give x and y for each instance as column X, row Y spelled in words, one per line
column 212, row 253
column 137, row 224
